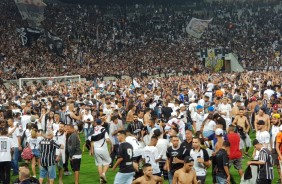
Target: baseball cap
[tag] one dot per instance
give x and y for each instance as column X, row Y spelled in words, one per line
column 261, row 122
column 199, row 107
column 98, row 121
column 218, row 131
column 188, row 159
column 210, row 108
column 277, row 116
column 255, row 142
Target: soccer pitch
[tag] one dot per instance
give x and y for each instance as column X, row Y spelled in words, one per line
column 89, row 172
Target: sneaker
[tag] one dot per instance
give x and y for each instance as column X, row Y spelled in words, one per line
column 67, row 173
column 103, row 178
column 34, row 176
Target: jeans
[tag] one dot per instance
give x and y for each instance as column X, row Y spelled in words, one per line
column 87, row 132
column 15, row 161
column 170, row 176
column 5, row 168
column 221, row 180
column 124, row 178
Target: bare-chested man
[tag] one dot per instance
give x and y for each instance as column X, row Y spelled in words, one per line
column 148, row 176
column 243, row 127
column 186, row 174
column 264, row 117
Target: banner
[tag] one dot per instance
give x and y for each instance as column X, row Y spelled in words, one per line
column 32, row 11
column 54, row 44
column 29, row 35
column 196, row 27
column 214, row 58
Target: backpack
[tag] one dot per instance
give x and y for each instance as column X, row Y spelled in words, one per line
column 27, row 154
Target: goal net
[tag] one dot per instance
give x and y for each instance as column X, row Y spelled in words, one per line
column 48, row 80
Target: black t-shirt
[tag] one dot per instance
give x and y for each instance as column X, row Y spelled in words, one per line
column 125, row 151
column 186, row 145
column 221, row 161
column 179, row 153
column 166, row 112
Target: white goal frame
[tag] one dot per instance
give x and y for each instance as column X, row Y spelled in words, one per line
column 57, row 77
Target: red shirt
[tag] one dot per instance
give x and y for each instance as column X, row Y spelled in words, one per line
column 234, row 140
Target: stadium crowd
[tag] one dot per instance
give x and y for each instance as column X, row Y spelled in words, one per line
column 141, row 39
column 172, row 128
column 167, row 126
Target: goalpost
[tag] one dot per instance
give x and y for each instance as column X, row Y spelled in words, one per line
column 74, row 78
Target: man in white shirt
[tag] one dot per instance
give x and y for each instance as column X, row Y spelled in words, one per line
column 198, row 118
column 14, row 133
column 263, row 136
column 209, row 91
column 99, row 149
column 5, row 156
column 225, row 111
column 180, row 124
column 108, row 111
column 60, row 137
column 115, row 126
column 269, row 92
column 150, row 155
column 88, row 120
column 25, row 120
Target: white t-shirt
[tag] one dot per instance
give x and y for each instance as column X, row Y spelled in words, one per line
column 264, row 138
column 162, row 146
column 226, row 108
column 61, row 139
column 6, row 144
column 269, row 92
column 108, row 113
column 210, row 87
column 113, row 128
column 15, row 135
column 180, row 123
column 25, row 120
column 198, row 118
column 34, row 142
column 100, row 144
column 150, row 154
column 137, row 149
column 210, row 125
column 85, row 117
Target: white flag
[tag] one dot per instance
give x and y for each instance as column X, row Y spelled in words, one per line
column 136, row 84
column 196, row 27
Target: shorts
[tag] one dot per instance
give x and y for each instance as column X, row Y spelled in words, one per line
column 102, row 157
column 75, row 164
column 50, row 170
column 275, row 157
column 36, row 153
column 245, row 142
column 124, row 178
column 237, row 163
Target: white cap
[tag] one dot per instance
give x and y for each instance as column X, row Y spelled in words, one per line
column 218, row 131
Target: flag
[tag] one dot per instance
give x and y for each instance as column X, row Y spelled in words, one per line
column 55, row 44
column 196, row 27
column 32, row 11
column 29, row 35
column 136, row 84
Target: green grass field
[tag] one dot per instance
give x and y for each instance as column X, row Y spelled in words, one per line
column 89, row 173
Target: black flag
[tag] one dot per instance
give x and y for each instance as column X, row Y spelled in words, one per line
column 29, row 35
column 54, row 44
